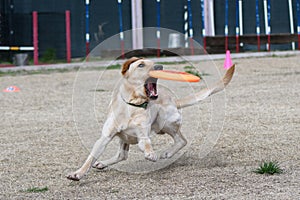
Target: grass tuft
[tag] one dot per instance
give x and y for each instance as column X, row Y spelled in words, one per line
column 37, row 189
column 114, row 191
column 271, row 168
column 116, row 66
column 98, row 90
column 193, row 70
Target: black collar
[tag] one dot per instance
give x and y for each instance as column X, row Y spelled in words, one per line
column 143, row 105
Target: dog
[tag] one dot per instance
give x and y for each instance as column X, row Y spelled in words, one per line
column 136, row 111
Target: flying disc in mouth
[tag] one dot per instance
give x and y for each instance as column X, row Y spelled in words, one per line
column 174, row 75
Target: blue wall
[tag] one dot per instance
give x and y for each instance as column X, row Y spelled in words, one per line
column 105, row 13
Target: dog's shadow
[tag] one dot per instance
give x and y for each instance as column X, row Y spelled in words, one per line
column 185, row 163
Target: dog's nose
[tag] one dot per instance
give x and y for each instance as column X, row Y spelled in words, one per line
column 158, row 67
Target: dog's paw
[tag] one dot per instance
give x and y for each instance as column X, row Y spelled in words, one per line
column 99, row 165
column 151, row 156
column 74, row 176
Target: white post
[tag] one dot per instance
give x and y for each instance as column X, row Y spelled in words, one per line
column 137, row 24
column 209, row 18
column 291, row 21
column 266, row 20
column 241, row 18
column 186, row 27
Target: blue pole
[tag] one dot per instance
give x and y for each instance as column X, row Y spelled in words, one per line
column 298, row 24
column 269, row 16
column 202, row 17
column 87, row 27
column 158, row 13
column 190, row 19
column 120, row 16
column 121, row 27
column 237, row 13
column 203, row 23
column 226, row 25
column 257, row 18
column 190, row 26
column 298, row 15
column 269, row 24
column 158, row 26
column 257, row 25
column 237, row 25
column 226, row 17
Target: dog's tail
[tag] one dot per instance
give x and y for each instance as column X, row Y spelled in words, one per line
column 203, row 94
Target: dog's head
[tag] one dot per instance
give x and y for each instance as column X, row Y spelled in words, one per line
column 136, row 72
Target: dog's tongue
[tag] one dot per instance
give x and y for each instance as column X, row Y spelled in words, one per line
column 152, row 90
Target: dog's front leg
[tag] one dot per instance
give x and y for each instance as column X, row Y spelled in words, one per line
column 108, row 133
column 97, row 150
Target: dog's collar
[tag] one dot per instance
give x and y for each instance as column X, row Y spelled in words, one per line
column 143, row 105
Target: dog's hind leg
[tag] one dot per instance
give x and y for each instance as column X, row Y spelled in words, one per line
column 179, row 143
column 146, row 147
column 121, row 155
column 144, row 144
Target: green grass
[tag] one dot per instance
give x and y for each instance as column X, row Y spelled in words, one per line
column 32, row 72
column 117, row 66
column 37, row 189
column 62, row 70
column 98, row 90
column 282, row 56
column 114, row 191
column 172, row 63
column 271, row 167
column 194, row 71
column 9, row 73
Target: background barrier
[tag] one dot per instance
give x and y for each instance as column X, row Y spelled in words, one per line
column 267, row 22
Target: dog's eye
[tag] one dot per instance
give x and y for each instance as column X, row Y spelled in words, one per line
column 141, row 65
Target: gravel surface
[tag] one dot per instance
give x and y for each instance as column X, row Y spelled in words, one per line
column 49, row 126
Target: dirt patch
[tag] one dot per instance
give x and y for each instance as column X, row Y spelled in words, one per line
column 41, row 142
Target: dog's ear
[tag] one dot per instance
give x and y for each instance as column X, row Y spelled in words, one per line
column 127, row 64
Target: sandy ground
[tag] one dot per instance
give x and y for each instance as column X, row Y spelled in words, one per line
column 49, row 126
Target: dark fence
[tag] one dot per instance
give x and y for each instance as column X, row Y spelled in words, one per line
column 16, row 21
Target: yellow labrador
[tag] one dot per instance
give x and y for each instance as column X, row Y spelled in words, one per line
column 136, row 110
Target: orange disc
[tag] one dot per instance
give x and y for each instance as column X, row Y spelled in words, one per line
column 174, row 75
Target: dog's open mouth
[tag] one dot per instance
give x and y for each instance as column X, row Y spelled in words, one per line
column 151, row 85
column 151, row 89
